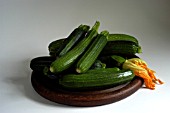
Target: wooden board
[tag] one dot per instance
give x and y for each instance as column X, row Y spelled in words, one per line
column 49, row 90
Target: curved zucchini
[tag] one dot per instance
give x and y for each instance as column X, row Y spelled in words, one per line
column 89, row 57
column 65, row 61
column 96, row 80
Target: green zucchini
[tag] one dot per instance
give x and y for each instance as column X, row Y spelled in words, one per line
column 118, row 59
column 73, row 38
column 89, row 57
column 54, row 47
column 121, row 47
column 122, row 37
column 132, row 44
column 67, row 60
column 115, row 60
column 102, row 70
column 97, row 79
column 38, row 63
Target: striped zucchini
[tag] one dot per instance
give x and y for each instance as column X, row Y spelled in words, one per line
column 66, row 61
column 121, row 47
column 132, row 47
column 103, row 70
column 73, row 38
column 122, row 37
column 97, row 79
column 89, row 57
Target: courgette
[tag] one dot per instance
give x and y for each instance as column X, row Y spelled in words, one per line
column 102, row 70
column 122, row 37
column 54, row 47
column 89, row 57
column 132, row 47
column 118, row 59
column 73, row 38
column 67, row 60
column 96, row 80
column 38, row 63
column 121, row 47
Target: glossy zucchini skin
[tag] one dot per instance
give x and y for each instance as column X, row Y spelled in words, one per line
column 90, row 56
column 123, row 44
column 121, row 47
column 96, row 79
column 103, row 70
column 67, row 60
column 73, row 38
column 54, row 47
column 122, row 37
column 37, row 64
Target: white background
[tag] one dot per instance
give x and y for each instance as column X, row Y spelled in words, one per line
column 28, row 26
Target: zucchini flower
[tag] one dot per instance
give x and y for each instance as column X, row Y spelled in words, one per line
column 140, row 69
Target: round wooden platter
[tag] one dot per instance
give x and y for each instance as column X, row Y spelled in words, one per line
column 49, row 90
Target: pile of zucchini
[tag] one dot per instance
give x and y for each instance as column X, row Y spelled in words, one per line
column 88, row 59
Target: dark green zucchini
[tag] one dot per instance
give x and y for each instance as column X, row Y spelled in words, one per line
column 73, row 38
column 66, row 61
column 54, row 47
column 120, row 47
column 38, row 63
column 89, row 57
column 103, row 70
column 122, row 37
column 123, row 44
column 115, row 60
column 118, row 59
column 97, row 79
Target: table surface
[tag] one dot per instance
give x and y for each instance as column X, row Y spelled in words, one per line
column 28, row 26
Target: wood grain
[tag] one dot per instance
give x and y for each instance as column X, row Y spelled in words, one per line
column 49, row 90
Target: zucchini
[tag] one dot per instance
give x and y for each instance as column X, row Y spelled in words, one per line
column 71, row 40
column 38, row 63
column 97, row 79
column 118, row 59
column 103, row 70
column 112, row 39
column 67, row 60
column 54, row 47
column 47, row 73
column 122, row 37
column 115, row 60
column 89, row 57
column 121, row 47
